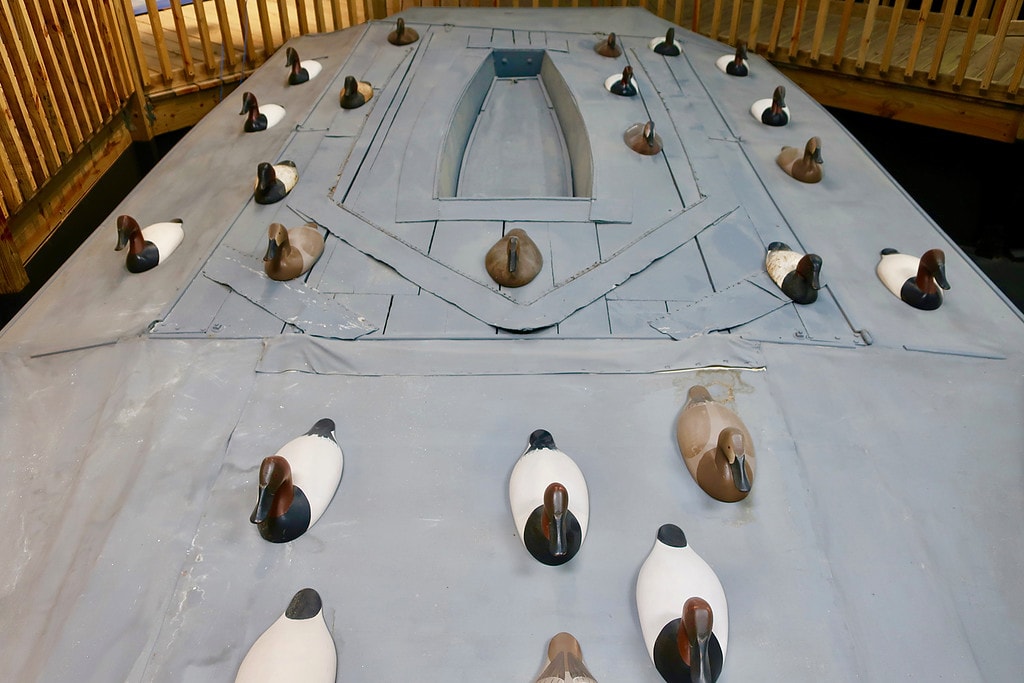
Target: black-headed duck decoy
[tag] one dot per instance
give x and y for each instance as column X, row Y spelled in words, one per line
column 916, row 281
column 150, row 246
column 667, row 46
column 300, row 72
column 624, row 85
column 796, row 274
column 773, row 112
column 805, row 164
column 296, row 647
column 565, row 662
column 736, row 63
column 291, row 252
column 514, row 260
column 550, row 502
column 609, row 47
column 641, row 138
column 403, row 35
column 716, row 447
column 683, row 613
column 274, row 181
column 297, row 484
column 258, row 119
column 355, row 93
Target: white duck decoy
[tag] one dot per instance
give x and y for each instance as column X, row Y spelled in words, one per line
column 796, row 274
column 802, row 164
column 914, row 280
column 296, row 647
column 298, row 71
column 150, row 246
column 622, row 84
column 565, row 662
column 259, row 119
column 291, row 252
column 274, row 181
column 772, row 112
column 550, row 502
column 671, row 575
column 736, row 63
column 297, row 484
column 667, row 46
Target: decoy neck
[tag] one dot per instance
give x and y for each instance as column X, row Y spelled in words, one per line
column 694, row 636
column 809, row 268
column 277, row 246
column 298, row 74
column 554, row 518
column 812, row 151
column 541, row 438
column 610, row 42
column 932, row 272
column 627, row 76
column 276, row 491
column 741, row 53
column 129, row 234
column 249, row 104
column 732, row 451
column 778, row 100
column 513, row 253
column 670, row 36
column 266, row 176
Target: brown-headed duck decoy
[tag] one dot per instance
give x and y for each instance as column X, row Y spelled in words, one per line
column 550, row 502
column 565, row 662
column 609, row 47
column 736, row 63
column 514, row 260
column 291, row 252
column 258, row 119
column 274, row 181
column 914, row 280
column 297, row 484
column 641, row 138
column 667, row 46
column 805, row 164
column 715, row 446
column 796, row 274
column 403, row 35
column 773, row 112
column 624, row 85
column 683, row 613
column 296, row 647
column 355, row 93
column 150, row 246
column 300, row 72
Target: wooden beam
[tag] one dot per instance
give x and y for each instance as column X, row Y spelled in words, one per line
column 175, row 112
column 13, row 277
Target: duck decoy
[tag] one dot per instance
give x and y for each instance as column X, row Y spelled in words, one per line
column 565, row 662
column 297, row 484
column 915, row 281
column 300, row 72
column 150, row 246
column 609, row 47
column 796, row 274
column 716, row 447
column 773, row 112
column 296, row 647
column 641, row 138
column 355, row 93
column 291, row 252
column 624, row 85
column 667, row 46
column 259, row 120
column 550, row 502
column 805, row 164
column 274, row 181
column 403, row 35
column 683, row 613
column 735, row 64
column 514, row 260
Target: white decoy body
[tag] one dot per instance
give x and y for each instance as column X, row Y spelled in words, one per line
column 150, row 246
column 672, row 574
column 296, row 647
column 916, row 281
column 539, row 467
column 293, row 494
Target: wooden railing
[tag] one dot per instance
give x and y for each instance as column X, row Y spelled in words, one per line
column 80, row 78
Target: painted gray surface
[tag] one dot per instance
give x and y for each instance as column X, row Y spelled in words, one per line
column 880, row 542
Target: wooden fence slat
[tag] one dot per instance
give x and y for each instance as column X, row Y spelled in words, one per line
column 181, row 30
column 157, row 30
column 321, row 18
column 249, row 43
column 865, row 36
column 265, row 28
column 755, row 25
column 997, row 44
column 915, row 47
column 948, row 12
column 844, row 29
column 286, row 24
column 734, row 23
column 819, row 31
column 135, row 45
column 695, row 20
column 15, row 177
column 95, row 60
column 798, row 22
column 77, row 55
column 113, row 44
column 209, row 60
column 227, row 42
column 1018, row 74
column 353, row 14
column 716, row 19
column 28, row 160
column 890, row 38
column 677, row 18
column 12, row 273
column 773, row 38
column 303, row 15
column 968, row 50
column 336, row 16
column 81, row 98
column 61, row 88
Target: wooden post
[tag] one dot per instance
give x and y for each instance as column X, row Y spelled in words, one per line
column 13, row 277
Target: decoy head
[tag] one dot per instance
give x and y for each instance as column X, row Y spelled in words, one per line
column 732, row 448
column 564, row 642
column 932, row 271
column 542, row 438
column 278, row 239
column 128, row 230
column 670, row 36
column 350, row 87
column 627, row 76
column 291, row 57
column 809, row 268
column 813, row 150
column 778, row 99
column 276, row 490
column 265, row 175
column 693, row 638
column 741, row 53
column 249, row 103
column 513, row 253
column 553, row 522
